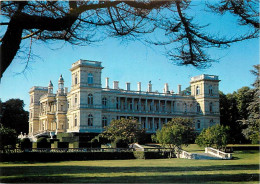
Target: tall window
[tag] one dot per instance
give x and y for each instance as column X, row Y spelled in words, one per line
column 198, row 107
column 90, row 99
column 75, row 120
column 90, row 78
column 104, row 121
column 76, row 79
column 104, row 102
column 210, row 107
column 185, row 107
column 90, row 120
column 76, row 98
column 210, row 90
column 211, row 122
column 198, row 124
column 197, row 90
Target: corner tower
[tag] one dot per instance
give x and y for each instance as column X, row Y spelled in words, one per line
column 205, row 89
column 84, row 113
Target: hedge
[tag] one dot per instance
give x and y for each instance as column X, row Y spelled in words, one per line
column 66, row 156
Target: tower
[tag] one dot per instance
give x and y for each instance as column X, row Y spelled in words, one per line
column 50, row 88
column 61, row 107
column 205, row 89
column 84, row 113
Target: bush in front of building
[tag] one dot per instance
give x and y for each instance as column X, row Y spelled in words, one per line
column 42, row 142
column 26, row 143
column 58, row 144
column 119, row 143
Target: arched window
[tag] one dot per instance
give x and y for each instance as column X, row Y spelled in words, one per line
column 90, row 99
column 104, row 102
column 198, row 107
column 76, row 79
column 197, row 90
column 90, row 120
column 198, row 124
column 104, row 121
column 90, row 78
column 210, row 107
column 75, row 120
column 210, row 90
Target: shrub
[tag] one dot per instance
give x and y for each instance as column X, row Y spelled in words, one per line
column 26, row 143
column 119, row 143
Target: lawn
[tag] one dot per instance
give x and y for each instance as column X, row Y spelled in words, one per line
column 244, row 168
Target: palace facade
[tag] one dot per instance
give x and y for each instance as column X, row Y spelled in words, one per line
column 88, row 107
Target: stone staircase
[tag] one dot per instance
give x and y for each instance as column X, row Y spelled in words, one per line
column 205, row 156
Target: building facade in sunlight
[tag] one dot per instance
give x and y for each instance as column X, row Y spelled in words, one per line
column 88, row 107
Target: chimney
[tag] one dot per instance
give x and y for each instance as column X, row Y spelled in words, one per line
column 179, row 89
column 107, row 82
column 149, row 87
column 116, row 85
column 166, row 88
column 138, row 86
column 128, row 86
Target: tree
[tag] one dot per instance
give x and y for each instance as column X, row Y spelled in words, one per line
column 233, row 109
column 14, row 116
column 8, row 137
column 128, row 130
column 215, row 136
column 82, row 22
column 177, row 132
column 252, row 123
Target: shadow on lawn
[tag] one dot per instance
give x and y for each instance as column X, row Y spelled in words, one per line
column 42, row 174
column 138, row 179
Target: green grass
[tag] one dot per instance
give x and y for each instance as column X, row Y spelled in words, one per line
column 244, row 168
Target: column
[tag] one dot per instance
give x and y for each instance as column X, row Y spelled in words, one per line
column 160, row 125
column 153, row 124
column 171, row 106
column 133, row 104
column 146, row 108
column 139, row 104
column 153, row 105
column 119, row 103
column 146, row 122
column 126, row 108
column 159, row 104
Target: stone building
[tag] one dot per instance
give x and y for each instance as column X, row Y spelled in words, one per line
column 88, row 107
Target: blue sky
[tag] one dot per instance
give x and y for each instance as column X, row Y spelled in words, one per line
column 131, row 62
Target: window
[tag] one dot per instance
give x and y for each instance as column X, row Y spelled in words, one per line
column 76, row 79
column 104, row 102
column 198, row 124
column 61, row 107
column 75, row 120
column 210, row 107
column 185, row 107
column 76, row 99
column 90, row 78
column 90, row 99
column 197, row 90
column 90, row 120
column 104, row 121
column 131, row 105
column 210, row 90
column 211, row 122
column 198, row 107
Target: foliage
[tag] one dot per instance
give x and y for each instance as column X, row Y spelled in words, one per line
column 128, row 130
column 42, row 140
column 25, row 143
column 215, row 136
column 233, row 108
column 84, row 22
column 8, row 137
column 177, row 132
column 252, row 123
column 14, row 116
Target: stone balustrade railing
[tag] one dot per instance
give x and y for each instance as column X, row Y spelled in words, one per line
column 218, row 153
